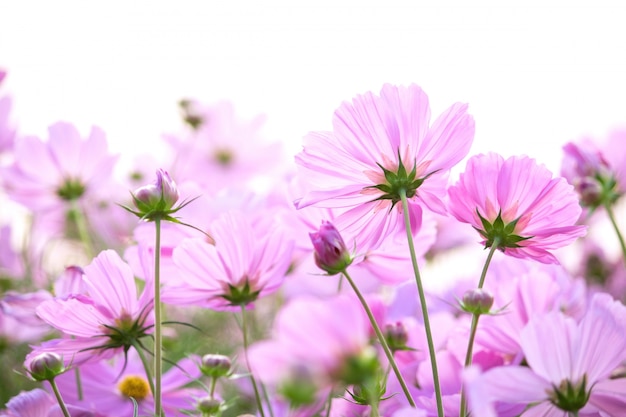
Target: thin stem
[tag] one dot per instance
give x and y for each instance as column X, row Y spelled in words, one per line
column 381, row 339
column 213, row 384
column 339, row 284
column 468, row 361
column 330, row 402
column 59, row 398
column 422, row 297
column 620, row 237
column 244, row 331
column 474, row 326
column 158, row 338
column 79, row 383
column 81, row 227
column 146, row 365
column 492, row 250
column 267, row 400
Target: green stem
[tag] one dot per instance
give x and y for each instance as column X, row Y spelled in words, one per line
column 267, row 400
column 381, row 339
column 82, row 228
column 609, row 211
column 59, row 398
column 422, row 297
column 474, row 326
column 213, row 384
column 145, row 364
column 158, row 338
column 244, row 330
column 79, row 384
column 330, row 402
column 492, row 250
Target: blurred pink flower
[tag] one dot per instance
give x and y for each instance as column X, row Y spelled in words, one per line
column 107, row 384
column 18, row 321
column 245, row 263
column 11, row 261
column 38, row 403
column 221, row 150
column 49, row 175
column 7, row 131
column 518, row 203
column 381, row 144
column 313, row 342
column 109, row 319
column 569, row 366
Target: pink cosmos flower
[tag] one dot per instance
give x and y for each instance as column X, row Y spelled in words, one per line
column 18, row 321
column 244, row 264
column 107, row 319
column 313, row 343
column 380, row 145
column 48, row 175
column 7, row 131
column 108, row 385
column 221, row 150
column 518, row 205
column 38, row 403
column 569, row 366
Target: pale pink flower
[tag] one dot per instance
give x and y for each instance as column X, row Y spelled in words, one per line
column 11, row 261
column 221, row 150
column 7, row 131
column 49, row 175
column 517, row 204
column 244, row 263
column 379, row 145
column 569, row 365
column 18, row 321
column 105, row 321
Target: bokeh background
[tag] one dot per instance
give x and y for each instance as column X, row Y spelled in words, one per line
column 536, row 73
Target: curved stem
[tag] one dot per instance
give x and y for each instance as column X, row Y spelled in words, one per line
column 422, row 297
column 244, row 331
column 492, row 250
column 381, row 339
column 158, row 338
column 146, row 365
column 620, row 237
column 59, row 398
column 474, row 326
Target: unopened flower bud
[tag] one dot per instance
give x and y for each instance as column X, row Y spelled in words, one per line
column 46, row 366
column 331, row 253
column 477, row 301
column 590, row 191
column 208, row 406
column 396, row 335
column 160, row 196
column 215, row 366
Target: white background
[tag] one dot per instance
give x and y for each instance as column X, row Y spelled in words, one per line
column 536, row 74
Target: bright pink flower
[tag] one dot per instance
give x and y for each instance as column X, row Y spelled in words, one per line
column 107, row 385
column 569, row 365
column 517, row 203
column 381, row 144
column 48, row 175
column 104, row 321
column 244, row 264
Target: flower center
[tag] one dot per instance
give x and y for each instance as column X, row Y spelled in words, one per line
column 569, row 396
column 72, row 189
column 224, row 157
column 134, row 386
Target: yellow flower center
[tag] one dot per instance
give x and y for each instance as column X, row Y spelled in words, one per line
column 134, row 386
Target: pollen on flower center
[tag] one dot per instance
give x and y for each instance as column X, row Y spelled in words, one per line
column 134, row 386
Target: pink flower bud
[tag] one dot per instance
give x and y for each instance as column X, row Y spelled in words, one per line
column 215, row 366
column 331, row 253
column 158, row 197
column 396, row 335
column 46, row 366
column 477, row 301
